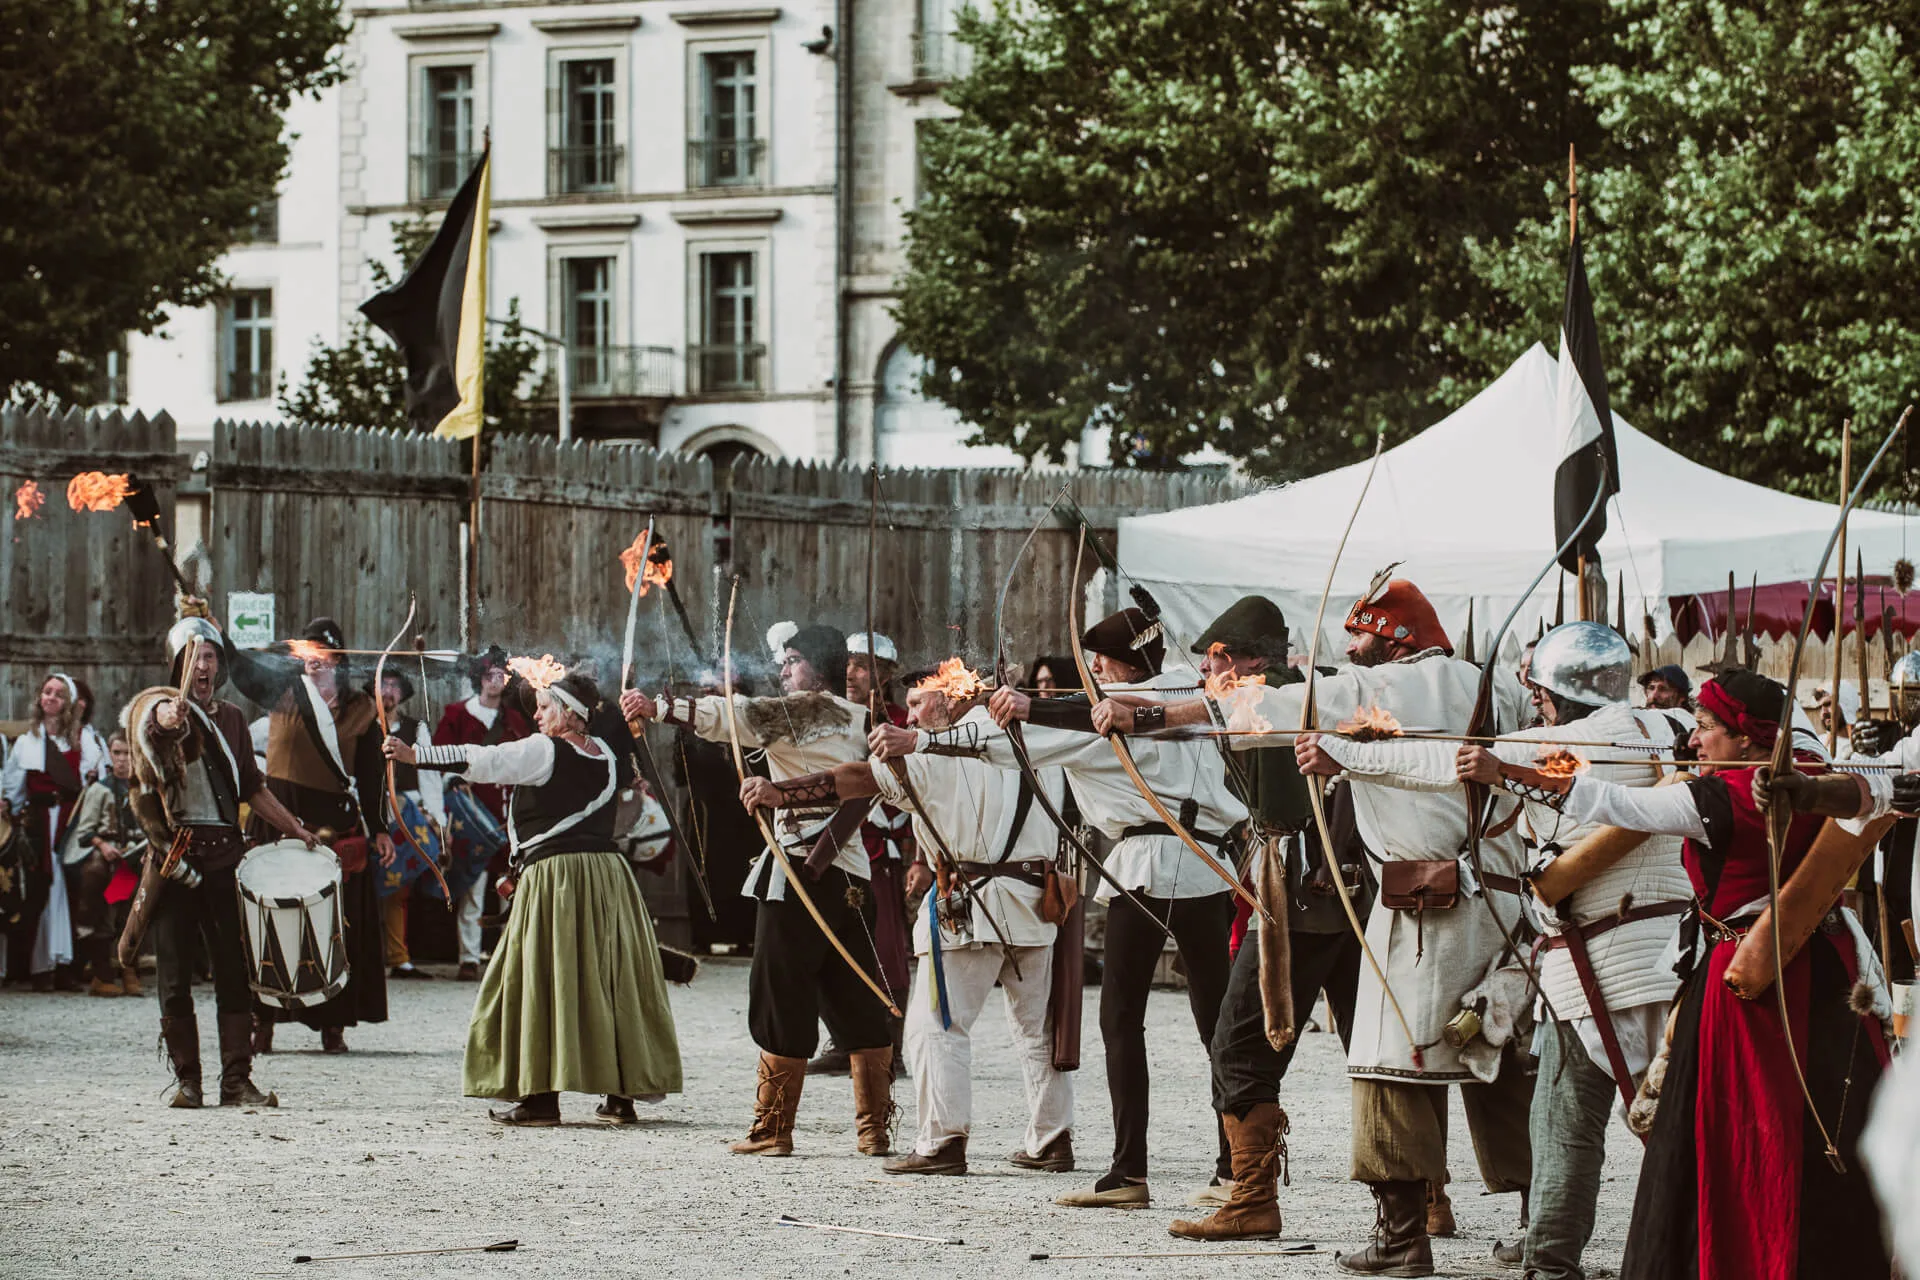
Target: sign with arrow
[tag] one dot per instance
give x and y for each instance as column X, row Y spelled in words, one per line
column 250, row 618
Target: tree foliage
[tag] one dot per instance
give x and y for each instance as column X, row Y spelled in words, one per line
column 362, row 381
column 1278, row 228
column 138, row 138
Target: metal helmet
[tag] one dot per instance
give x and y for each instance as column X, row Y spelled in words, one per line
column 1584, row 662
column 1903, row 684
column 187, row 629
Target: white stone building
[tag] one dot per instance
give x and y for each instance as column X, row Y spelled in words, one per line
column 664, row 202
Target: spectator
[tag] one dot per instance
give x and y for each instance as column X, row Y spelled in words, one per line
column 1667, row 688
column 102, row 859
column 42, row 781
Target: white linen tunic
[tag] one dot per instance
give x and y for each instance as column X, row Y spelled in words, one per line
column 798, row 734
column 1430, row 963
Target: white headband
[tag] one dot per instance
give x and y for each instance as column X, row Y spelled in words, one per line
column 567, row 700
column 73, row 690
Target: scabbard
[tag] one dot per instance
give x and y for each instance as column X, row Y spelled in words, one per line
column 1805, row 899
column 146, row 897
column 1276, row 944
column 843, row 826
column 1065, row 999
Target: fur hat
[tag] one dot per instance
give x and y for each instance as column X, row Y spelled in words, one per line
column 1128, row 636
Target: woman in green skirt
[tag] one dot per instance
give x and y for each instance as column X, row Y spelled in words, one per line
column 574, row 999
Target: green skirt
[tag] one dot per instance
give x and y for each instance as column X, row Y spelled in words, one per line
column 574, row 1000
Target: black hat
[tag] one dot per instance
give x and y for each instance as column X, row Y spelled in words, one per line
column 1128, row 636
column 1675, row 677
column 325, row 631
column 492, row 658
column 406, row 685
column 825, row 649
column 1252, row 627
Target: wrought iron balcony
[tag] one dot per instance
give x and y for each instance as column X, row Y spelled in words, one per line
column 579, row 170
column 726, row 162
column 436, row 175
column 729, row 367
column 614, row 373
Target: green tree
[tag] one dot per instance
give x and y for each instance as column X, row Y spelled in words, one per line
column 138, row 140
column 1752, row 234
column 1252, row 226
column 362, row 381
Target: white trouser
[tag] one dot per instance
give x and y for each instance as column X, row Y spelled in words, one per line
column 467, row 917
column 941, row 1059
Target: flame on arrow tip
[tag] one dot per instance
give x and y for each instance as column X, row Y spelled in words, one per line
column 97, row 491
column 1370, row 724
column 658, row 569
column 1562, row 763
column 954, row 679
column 539, row 672
column 27, row 500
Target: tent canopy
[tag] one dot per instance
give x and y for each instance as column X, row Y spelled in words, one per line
column 1468, row 506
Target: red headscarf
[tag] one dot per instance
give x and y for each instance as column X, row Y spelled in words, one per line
column 1728, row 709
column 1402, row 614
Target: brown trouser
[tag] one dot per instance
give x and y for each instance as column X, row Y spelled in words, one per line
column 1400, row 1130
column 393, row 923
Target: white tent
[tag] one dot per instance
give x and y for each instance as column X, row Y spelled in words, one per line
column 1468, row 505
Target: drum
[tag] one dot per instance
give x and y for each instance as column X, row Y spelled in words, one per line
column 476, row 836
column 290, row 905
column 408, row 865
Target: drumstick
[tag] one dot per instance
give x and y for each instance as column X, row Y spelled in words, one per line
column 501, row 1246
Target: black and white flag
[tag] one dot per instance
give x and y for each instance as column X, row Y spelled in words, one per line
column 1587, row 454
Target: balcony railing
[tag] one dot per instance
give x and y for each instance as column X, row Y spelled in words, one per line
column 731, row 367
column 938, row 56
column 618, row 372
column 246, row 384
column 727, row 162
column 578, row 170
column 436, row 175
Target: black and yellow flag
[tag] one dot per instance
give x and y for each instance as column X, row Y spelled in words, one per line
column 437, row 315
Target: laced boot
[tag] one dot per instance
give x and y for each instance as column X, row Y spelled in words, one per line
column 1252, row 1212
column 873, row 1100
column 776, row 1101
column 182, row 1038
column 1440, row 1223
column 1400, row 1246
column 236, row 1064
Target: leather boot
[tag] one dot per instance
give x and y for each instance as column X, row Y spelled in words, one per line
column 830, row 1061
column 776, row 1101
column 262, row 1034
column 236, row 1064
column 1400, row 1246
column 1440, row 1223
column 182, row 1038
column 950, row 1159
column 1515, row 1255
column 130, row 982
column 333, row 1040
column 873, row 1099
column 1252, row 1212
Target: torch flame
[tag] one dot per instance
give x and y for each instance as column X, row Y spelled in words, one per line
column 27, row 500
column 658, row 571
column 1370, row 724
column 954, row 679
column 1561, row 763
column 97, row 491
column 1223, row 681
column 539, row 672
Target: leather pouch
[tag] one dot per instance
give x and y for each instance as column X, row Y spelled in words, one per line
column 352, row 852
column 1419, row 886
column 1057, row 896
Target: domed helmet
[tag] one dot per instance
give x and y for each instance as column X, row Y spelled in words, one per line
column 1584, row 662
column 191, row 629
column 1904, row 687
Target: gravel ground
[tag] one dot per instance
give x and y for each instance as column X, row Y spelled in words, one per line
column 377, row 1150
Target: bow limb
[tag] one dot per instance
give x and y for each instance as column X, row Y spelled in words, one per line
column 1018, row 741
column 1780, row 815
column 1124, row 755
column 1316, row 785
column 386, row 731
column 760, row 819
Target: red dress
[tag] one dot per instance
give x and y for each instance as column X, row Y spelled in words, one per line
column 460, row 727
column 1735, row 1184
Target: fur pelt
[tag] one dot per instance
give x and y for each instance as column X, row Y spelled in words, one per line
column 1276, row 947
column 160, row 765
column 798, row 718
column 1646, row 1099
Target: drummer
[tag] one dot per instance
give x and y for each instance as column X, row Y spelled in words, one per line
column 193, row 767
column 574, row 999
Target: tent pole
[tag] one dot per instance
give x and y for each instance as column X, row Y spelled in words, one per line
column 1839, row 592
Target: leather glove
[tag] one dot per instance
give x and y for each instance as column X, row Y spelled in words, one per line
column 1683, row 748
column 1827, row 795
column 1906, row 792
column 1876, row 737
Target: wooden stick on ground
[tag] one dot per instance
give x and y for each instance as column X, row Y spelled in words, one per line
column 788, row 1220
column 1291, row 1251
column 499, row 1246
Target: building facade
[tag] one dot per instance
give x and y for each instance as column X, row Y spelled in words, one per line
column 666, row 213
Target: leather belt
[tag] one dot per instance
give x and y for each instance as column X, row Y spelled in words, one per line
column 1504, row 884
column 1594, row 928
column 1162, row 829
column 1030, row 871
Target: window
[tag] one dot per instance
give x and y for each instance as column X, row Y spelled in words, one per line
column 729, row 357
column 246, row 345
column 586, row 156
column 446, row 131
column 729, row 151
column 935, row 50
column 265, row 227
column 587, row 299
